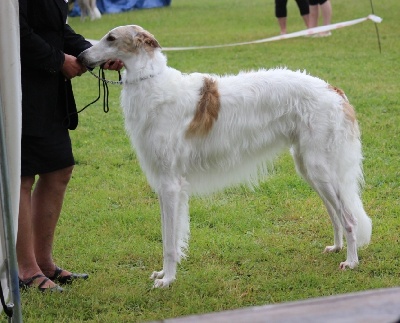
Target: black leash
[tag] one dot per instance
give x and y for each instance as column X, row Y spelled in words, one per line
column 102, row 82
column 8, row 309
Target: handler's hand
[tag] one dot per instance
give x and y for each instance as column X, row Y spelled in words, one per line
column 72, row 67
column 113, row 65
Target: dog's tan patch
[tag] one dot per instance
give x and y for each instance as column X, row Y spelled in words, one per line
column 145, row 39
column 338, row 91
column 347, row 107
column 207, row 109
column 131, row 38
column 349, row 112
column 122, row 39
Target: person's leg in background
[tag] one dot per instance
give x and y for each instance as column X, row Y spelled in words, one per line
column 314, row 13
column 304, row 9
column 281, row 14
column 326, row 11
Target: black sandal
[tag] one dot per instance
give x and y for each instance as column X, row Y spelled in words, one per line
column 68, row 279
column 28, row 283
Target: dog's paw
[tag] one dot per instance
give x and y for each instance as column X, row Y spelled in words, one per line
column 157, row 275
column 334, row 248
column 349, row 264
column 163, row 283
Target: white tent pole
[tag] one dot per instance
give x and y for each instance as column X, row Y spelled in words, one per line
column 10, row 150
column 7, row 215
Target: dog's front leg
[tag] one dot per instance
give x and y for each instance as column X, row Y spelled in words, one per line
column 168, row 194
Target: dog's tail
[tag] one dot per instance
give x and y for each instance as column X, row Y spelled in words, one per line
column 354, row 205
column 364, row 228
column 351, row 174
column 351, row 195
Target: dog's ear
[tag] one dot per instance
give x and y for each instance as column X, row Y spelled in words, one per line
column 148, row 39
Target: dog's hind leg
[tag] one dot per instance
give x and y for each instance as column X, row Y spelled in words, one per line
column 339, row 187
column 173, row 201
column 337, row 226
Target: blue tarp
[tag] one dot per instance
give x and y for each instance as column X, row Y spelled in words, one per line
column 115, row 6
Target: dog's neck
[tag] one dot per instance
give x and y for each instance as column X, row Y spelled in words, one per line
column 144, row 66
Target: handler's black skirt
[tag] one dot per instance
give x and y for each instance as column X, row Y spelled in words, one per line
column 41, row 155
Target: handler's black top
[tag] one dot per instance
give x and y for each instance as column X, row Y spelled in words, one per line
column 47, row 98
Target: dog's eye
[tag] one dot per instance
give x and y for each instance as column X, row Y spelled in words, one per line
column 110, row 38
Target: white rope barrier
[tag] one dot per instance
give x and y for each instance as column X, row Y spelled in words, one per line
column 305, row 32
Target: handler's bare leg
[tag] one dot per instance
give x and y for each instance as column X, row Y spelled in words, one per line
column 38, row 217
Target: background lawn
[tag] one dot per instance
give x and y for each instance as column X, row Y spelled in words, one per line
column 247, row 248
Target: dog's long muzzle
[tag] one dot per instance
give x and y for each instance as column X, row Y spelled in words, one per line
column 82, row 58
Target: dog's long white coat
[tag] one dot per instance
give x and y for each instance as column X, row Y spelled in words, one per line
column 261, row 113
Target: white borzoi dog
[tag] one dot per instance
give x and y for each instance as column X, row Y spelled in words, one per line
column 197, row 133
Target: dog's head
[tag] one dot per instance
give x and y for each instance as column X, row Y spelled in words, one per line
column 120, row 43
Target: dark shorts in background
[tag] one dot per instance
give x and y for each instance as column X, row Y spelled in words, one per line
column 316, row 2
column 41, row 155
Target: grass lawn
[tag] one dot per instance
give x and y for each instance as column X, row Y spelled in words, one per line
column 247, row 248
